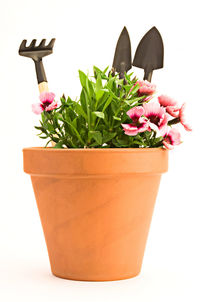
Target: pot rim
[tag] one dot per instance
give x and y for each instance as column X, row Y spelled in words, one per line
column 47, row 149
column 111, row 161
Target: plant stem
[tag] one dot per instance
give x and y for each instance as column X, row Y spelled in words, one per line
column 174, row 121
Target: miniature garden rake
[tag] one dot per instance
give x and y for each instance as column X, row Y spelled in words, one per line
column 37, row 53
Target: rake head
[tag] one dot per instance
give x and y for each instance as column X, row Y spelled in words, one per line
column 36, row 52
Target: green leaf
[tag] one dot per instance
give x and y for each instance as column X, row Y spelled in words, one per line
column 55, row 139
column 105, row 69
column 99, row 94
column 157, row 141
column 47, row 143
column 82, row 77
column 98, row 71
column 116, row 118
column 83, row 101
column 135, row 89
column 89, row 89
column 120, row 82
column 69, row 101
column 58, row 145
column 87, row 107
column 136, row 142
column 74, row 123
column 98, row 83
column 108, row 136
column 39, row 128
column 50, row 127
column 113, row 95
column 80, row 111
column 98, row 114
column 135, row 100
column 75, row 131
column 109, row 100
column 128, row 78
column 96, row 135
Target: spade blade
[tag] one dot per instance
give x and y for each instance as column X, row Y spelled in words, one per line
column 150, row 53
column 122, row 60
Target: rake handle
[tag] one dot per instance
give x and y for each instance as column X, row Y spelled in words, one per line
column 43, row 87
column 41, row 76
column 39, row 67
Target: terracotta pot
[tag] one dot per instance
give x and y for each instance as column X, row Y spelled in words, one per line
column 95, row 207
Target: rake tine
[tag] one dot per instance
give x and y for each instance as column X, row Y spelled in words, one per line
column 23, row 44
column 51, row 43
column 33, row 43
column 42, row 43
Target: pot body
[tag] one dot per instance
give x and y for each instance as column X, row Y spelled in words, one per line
column 95, row 207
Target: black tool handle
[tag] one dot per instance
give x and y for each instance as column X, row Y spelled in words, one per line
column 39, row 67
column 122, row 70
column 148, row 75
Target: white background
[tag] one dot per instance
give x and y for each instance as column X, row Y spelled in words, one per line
column 86, row 33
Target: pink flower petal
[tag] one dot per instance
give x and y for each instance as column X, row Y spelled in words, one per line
column 182, row 118
column 163, row 121
column 132, row 130
column 153, row 127
column 37, row 108
column 51, row 106
column 146, row 88
column 173, row 138
column 131, row 133
column 154, row 109
column 167, row 145
column 135, row 112
column 47, row 97
column 156, row 115
column 166, row 101
column 173, row 110
column 143, row 127
column 164, row 130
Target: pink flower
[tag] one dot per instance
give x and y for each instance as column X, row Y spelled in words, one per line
column 47, row 103
column 147, row 99
column 139, row 123
column 172, row 138
column 173, row 110
column 170, row 105
column 156, row 115
column 146, row 88
column 37, row 108
column 182, row 118
column 166, row 101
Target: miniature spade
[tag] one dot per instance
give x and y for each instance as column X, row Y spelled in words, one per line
column 122, row 60
column 150, row 53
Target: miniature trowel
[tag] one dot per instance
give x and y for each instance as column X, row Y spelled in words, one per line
column 122, row 60
column 150, row 53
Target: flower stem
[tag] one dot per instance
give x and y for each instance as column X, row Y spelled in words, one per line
column 174, row 121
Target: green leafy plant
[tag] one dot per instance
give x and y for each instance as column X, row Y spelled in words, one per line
column 96, row 119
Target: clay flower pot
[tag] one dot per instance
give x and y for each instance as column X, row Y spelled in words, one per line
column 95, row 207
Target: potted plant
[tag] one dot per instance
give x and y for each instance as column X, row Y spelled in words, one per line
column 96, row 184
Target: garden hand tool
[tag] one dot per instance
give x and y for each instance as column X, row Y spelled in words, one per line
column 37, row 53
column 150, row 53
column 122, row 59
